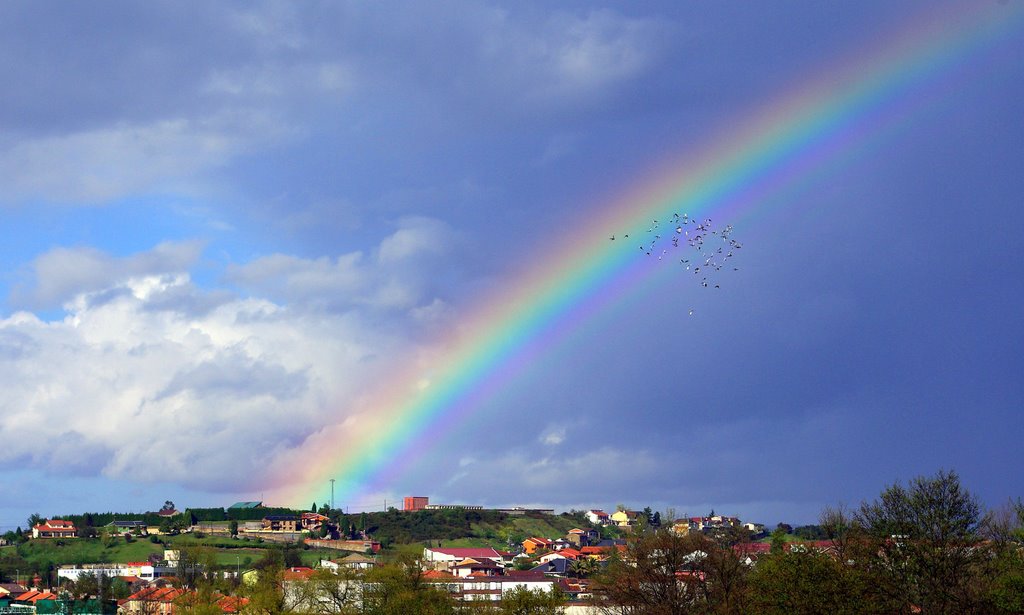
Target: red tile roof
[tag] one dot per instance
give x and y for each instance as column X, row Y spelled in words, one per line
column 156, row 594
column 55, row 525
column 298, row 573
column 34, row 595
column 227, row 604
column 232, row 604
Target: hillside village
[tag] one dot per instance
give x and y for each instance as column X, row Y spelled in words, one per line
column 447, row 559
column 552, row 562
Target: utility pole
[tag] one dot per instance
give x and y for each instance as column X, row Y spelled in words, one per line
column 332, row 494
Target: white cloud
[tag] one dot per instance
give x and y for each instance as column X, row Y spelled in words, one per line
column 553, row 436
column 149, row 377
column 392, row 277
column 208, row 399
column 553, row 476
column 65, row 272
column 114, row 161
column 415, row 237
column 564, row 58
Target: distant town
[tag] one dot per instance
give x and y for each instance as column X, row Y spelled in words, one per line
column 560, row 556
column 454, row 558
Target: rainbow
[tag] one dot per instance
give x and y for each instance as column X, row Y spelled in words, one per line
column 810, row 128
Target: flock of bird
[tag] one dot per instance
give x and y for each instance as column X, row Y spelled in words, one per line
column 707, row 250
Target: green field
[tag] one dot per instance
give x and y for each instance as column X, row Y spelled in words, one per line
column 86, row 551
column 39, row 555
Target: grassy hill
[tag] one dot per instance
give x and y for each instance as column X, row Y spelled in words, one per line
column 466, row 527
column 400, row 532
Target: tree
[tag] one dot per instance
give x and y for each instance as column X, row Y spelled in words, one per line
column 292, row 557
column 195, row 565
column 805, row 582
column 655, row 577
column 927, row 545
column 584, row 567
column 90, row 585
column 1004, row 528
column 327, row 593
column 400, row 589
column 202, row 601
column 522, row 601
column 265, row 595
column 233, row 527
column 119, row 588
column 33, row 520
column 778, row 539
column 663, row 573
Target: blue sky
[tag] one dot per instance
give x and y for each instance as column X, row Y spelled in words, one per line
column 220, row 221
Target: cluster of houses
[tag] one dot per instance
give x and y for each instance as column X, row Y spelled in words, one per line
column 537, row 563
column 629, row 518
column 16, row 597
column 488, row 574
column 541, row 564
column 281, row 524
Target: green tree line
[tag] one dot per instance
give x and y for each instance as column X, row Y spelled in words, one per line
column 924, row 548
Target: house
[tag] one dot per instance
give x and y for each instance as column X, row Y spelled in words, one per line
column 561, row 543
column 163, row 600
column 536, row 544
column 142, row 570
column 12, row 590
column 54, row 528
column 126, row 527
column 604, row 549
column 357, row 561
column 245, row 505
column 748, row 552
column 558, row 567
column 474, row 567
column 576, row 590
column 569, row 554
column 757, row 529
column 625, row 518
column 682, row 527
column 33, row 596
column 281, row 523
column 581, row 538
column 446, row 558
column 312, row 520
column 598, row 517
column 326, row 597
column 492, row 588
column 298, row 573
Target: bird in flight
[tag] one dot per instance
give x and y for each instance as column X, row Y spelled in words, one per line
column 714, row 245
